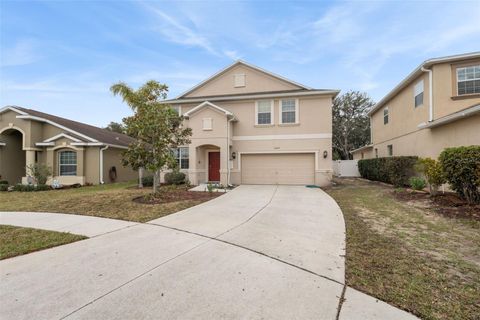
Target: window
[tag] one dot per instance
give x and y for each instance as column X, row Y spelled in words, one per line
column 67, row 163
column 264, row 112
column 289, row 110
column 418, row 93
column 385, row 115
column 468, row 80
column 239, row 80
column 390, row 150
column 207, row 124
column 181, row 155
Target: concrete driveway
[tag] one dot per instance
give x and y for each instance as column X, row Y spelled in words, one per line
column 269, row 252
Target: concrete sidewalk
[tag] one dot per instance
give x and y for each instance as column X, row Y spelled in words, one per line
column 76, row 224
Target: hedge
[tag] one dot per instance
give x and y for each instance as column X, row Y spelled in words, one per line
column 461, row 166
column 175, row 177
column 393, row 170
column 31, row 187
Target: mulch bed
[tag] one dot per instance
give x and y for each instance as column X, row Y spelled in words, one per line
column 447, row 204
column 177, row 195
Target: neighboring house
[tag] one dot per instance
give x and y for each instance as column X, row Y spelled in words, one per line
column 76, row 152
column 435, row 107
column 254, row 127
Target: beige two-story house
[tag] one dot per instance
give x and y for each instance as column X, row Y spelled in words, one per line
column 436, row 106
column 75, row 152
column 251, row 126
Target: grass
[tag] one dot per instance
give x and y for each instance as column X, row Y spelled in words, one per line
column 409, row 257
column 16, row 241
column 108, row 201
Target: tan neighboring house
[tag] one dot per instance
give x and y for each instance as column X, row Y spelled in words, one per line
column 251, row 126
column 434, row 107
column 76, row 152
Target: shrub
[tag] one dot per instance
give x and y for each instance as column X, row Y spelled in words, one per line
column 42, row 187
column 39, row 172
column 147, row 181
column 417, row 183
column 4, row 182
column 3, row 187
column 175, row 177
column 433, row 172
column 393, row 170
column 461, row 166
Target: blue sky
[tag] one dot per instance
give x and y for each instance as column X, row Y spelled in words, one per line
column 61, row 57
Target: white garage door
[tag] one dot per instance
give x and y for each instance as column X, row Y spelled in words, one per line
column 285, row 168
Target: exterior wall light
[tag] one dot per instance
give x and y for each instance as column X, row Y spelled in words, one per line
column 234, row 155
column 325, row 154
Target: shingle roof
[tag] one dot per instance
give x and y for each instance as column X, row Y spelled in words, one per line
column 99, row 134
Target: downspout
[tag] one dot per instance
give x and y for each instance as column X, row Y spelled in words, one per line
column 101, row 164
column 430, row 93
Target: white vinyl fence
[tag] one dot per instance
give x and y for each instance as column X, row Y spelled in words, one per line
column 346, row 168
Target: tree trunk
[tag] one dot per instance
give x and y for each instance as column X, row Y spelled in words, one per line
column 140, row 177
column 155, row 181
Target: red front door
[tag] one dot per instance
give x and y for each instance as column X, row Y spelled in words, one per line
column 214, row 166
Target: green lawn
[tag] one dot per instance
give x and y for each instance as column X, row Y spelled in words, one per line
column 109, row 201
column 409, row 256
column 15, row 241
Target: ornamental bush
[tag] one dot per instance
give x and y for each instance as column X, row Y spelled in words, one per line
column 3, row 187
column 417, row 183
column 433, row 172
column 4, row 182
column 175, row 177
column 147, row 181
column 461, row 166
column 393, row 170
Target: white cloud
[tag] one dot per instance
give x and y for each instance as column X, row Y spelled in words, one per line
column 22, row 53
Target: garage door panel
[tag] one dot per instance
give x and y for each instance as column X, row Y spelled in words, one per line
column 278, row 168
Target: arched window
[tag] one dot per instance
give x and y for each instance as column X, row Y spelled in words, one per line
column 67, row 163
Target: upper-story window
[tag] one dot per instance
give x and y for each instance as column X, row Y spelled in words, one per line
column 385, row 115
column 418, row 93
column 67, row 163
column 182, row 157
column 264, row 112
column 289, row 111
column 468, row 80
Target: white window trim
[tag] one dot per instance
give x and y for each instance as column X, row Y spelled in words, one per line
column 388, row 115
column 456, row 76
column 416, row 92
column 271, row 113
column 179, row 109
column 59, row 163
column 297, row 112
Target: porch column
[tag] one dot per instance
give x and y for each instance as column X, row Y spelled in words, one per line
column 224, row 158
column 192, row 164
column 29, row 160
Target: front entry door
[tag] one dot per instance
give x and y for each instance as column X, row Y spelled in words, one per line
column 214, row 166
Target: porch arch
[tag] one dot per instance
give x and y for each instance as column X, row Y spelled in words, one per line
column 12, row 155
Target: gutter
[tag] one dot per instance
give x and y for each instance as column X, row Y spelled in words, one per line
column 101, row 164
column 430, row 93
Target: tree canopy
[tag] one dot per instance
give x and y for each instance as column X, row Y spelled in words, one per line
column 351, row 124
column 116, row 127
column 156, row 127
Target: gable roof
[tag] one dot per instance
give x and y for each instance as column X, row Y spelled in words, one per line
column 82, row 131
column 207, row 104
column 236, row 63
column 417, row 71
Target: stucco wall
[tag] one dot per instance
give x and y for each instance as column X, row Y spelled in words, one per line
column 256, row 81
column 113, row 157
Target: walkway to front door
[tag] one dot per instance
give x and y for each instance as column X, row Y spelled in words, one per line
column 214, row 166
